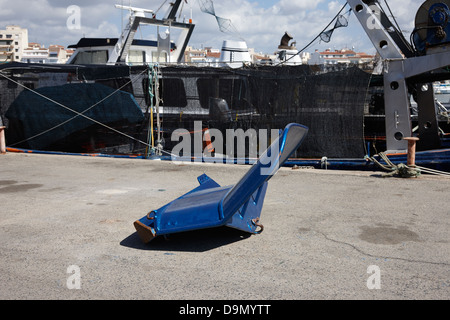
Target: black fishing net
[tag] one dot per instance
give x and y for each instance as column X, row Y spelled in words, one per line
column 69, row 108
column 331, row 104
column 206, row 6
column 225, row 25
column 326, row 36
column 341, row 21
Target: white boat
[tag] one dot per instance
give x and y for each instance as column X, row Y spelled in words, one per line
column 234, row 54
column 441, row 87
column 128, row 50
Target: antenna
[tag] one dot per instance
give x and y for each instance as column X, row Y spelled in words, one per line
column 138, row 12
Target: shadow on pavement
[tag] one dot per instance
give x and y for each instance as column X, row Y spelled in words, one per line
column 193, row 241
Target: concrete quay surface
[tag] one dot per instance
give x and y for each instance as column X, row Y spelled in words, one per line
column 66, row 232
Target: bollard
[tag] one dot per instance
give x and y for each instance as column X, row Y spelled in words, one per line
column 411, row 157
column 2, row 140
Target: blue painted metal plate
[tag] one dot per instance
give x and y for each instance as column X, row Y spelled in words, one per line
column 210, row 205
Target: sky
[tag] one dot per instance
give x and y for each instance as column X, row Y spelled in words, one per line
column 260, row 23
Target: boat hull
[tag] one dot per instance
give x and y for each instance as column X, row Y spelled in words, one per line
column 341, row 108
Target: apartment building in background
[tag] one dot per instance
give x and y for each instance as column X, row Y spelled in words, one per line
column 13, row 41
column 37, row 53
column 344, row 56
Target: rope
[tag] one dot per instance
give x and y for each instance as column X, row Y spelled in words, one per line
column 84, row 116
column 433, row 171
column 403, row 170
column 318, row 36
column 74, row 111
column 400, row 170
column 81, row 113
column 150, row 136
column 159, row 7
column 363, row 126
column 158, row 100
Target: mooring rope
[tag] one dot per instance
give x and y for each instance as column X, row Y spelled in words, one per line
column 400, row 170
column 150, row 137
column 317, row 37
column 403, row 170
column 83, row 115
column 433, row 171
column 72, row 110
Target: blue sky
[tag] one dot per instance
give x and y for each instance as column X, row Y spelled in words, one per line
column 260, row 23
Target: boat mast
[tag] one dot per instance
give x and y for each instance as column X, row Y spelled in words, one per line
column 137, row 17
column 173, row 12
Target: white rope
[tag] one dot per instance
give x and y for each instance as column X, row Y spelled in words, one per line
column 404, row 170
column 81, row 114
column 433, row 171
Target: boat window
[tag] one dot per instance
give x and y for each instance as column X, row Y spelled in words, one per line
column 162, row 57
column 136, row 57
column 91, row 57
column 171, row 91
column 232, row 90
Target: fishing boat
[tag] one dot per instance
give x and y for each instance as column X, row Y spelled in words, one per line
column 353, row 114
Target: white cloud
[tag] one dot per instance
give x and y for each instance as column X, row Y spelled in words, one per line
column 261, row 24
column 289, row 7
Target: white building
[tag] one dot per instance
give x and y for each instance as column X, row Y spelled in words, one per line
column 35, row 53
column 343, row 56
column 233, row 54
column 305, row 56
column 13, row 41
column 58, row 54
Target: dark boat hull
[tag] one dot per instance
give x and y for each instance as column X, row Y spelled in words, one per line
column 341, row 109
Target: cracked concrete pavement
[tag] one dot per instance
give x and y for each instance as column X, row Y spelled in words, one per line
column 328, row 234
